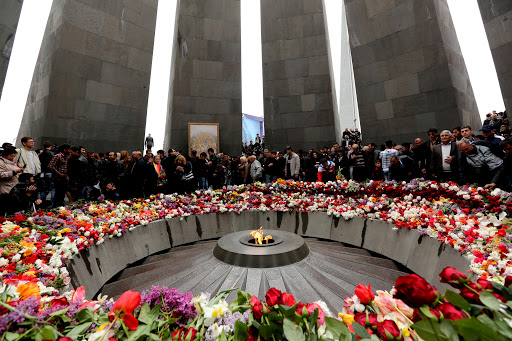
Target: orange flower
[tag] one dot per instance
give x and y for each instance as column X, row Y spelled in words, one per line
column 124, row 307
column 28, row 290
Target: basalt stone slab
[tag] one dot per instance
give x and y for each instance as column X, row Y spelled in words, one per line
column 9, row 15
column 93, row 53
column 375, row 234
column 424, row 255
column 207, row 69
column 497, row 17
column 348, row 231
column 405, row 51
column 295, row 68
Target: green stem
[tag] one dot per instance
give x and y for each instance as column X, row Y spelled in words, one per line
column 108, row 329
column 409, row 320
column 434, row 329
column 38, row 319
column 25, row 333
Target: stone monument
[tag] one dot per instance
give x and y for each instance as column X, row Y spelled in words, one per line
column 9, row 15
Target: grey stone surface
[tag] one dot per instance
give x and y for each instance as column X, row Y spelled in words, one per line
column 408, row 67
column 207, row 73
column 91, row 82
column 9, row 15
column 497, row 18
column 423, row 255
column 296, row 76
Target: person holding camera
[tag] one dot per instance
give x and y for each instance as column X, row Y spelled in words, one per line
column 27, row 158
column 23, row 196
column 9, row 173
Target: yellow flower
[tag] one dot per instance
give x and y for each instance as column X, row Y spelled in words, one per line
column 28, row 290
column 347, row 318
column 406, row 332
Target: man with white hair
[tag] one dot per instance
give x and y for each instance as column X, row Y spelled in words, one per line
column 444, row 164
column 480, row 164
column 255, row 170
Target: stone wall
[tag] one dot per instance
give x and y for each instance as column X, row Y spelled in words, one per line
column 409, row 71
column 9, row 16
column 207, row 84
column 91, row 81
column 297, row 85
column 497, row 18
column 93, row 268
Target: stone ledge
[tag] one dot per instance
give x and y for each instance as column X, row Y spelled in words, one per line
column 421, row 254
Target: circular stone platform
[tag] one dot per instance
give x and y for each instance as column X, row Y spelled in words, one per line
column 285, row 249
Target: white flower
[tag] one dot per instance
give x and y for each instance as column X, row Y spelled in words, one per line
column 103, row 333
column 214, row 312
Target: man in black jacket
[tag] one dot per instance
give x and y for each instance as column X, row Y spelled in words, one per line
column 46, row 185
column 77, row 172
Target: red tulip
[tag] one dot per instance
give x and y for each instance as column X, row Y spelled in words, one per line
column 124, row 307
column 364, row 294
column 287, row 299
column 272, row 297
column 453, row 277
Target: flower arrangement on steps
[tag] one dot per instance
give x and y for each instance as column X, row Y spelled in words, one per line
column 34, row 249
column 413, row 310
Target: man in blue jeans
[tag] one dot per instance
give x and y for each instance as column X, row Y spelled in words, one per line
column 386, row 156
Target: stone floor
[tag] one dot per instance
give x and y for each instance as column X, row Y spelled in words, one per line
column 330, row 273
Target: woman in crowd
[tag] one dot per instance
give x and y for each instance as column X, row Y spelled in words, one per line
column 243, row 171
column 9, row 173
column 154, row 177
column 186, row 183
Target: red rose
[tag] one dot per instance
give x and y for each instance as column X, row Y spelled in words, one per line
column 453, row 277
column 508, row 281
column 286, row 299
column 60, row 302
column 189, row 334
column 417, row 317
column 414, row 291
column 311, row 308
column 450, row 312
column 366, row 320
column 470, row 296
column 364, row 294
column 272, row 297
column 485, row 284
column 176, row 334
column 257, row 311
column 388, row 331
column 254, row 300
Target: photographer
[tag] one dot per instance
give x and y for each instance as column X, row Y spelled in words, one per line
column 23, row 196
column 9, row 173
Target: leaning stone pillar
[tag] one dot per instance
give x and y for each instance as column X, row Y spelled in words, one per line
column 297, row 86
column 91, row 81
column 207, row 76
column 497, row 17
column 9, row 16
column 409, row 71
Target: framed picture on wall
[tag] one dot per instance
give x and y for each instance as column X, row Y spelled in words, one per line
column 202, row 136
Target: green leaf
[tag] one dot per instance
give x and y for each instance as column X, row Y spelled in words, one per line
column 449, row 330
column 60, row 312
column 222, row 337
column 147, row 315
column 85, row 315
column 360, row 330
column 476, row 309
column 292, row 331
column 485, row 319
column 472, row 329
column 338, row 329
column 242, row 297
column 273, row 316
column 457, row 300
column 11, row 336
column 241, row 331
column 504, row 329
column 79, row 330
column 490, row 301
column 218, row 297
column 154, row 337
column 426, row 310
column 429, row 330
column 266, row 331
column 47, row 333
column 142, row 330
column 313, row 318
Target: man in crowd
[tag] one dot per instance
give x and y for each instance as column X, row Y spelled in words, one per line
column 292, row 162
column 445, row 159
column 480, row 164
column 326, row 171
column 358, row 161
column 45, row 157
column 467, row 133
column 148, row 143
column 507, row 164
column 385, row 156
column 255, row 169
column 27, row 158
column 59, row 168
column 77, row 172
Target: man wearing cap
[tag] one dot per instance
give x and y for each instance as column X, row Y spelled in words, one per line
column 488, row 132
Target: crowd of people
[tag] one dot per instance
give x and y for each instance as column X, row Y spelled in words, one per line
column 32, row 179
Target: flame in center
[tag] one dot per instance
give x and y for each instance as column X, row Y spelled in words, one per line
column 258, row 236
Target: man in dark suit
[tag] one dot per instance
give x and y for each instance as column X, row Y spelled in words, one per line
column 444, row 164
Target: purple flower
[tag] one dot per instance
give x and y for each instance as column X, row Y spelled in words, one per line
column 172, row 301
